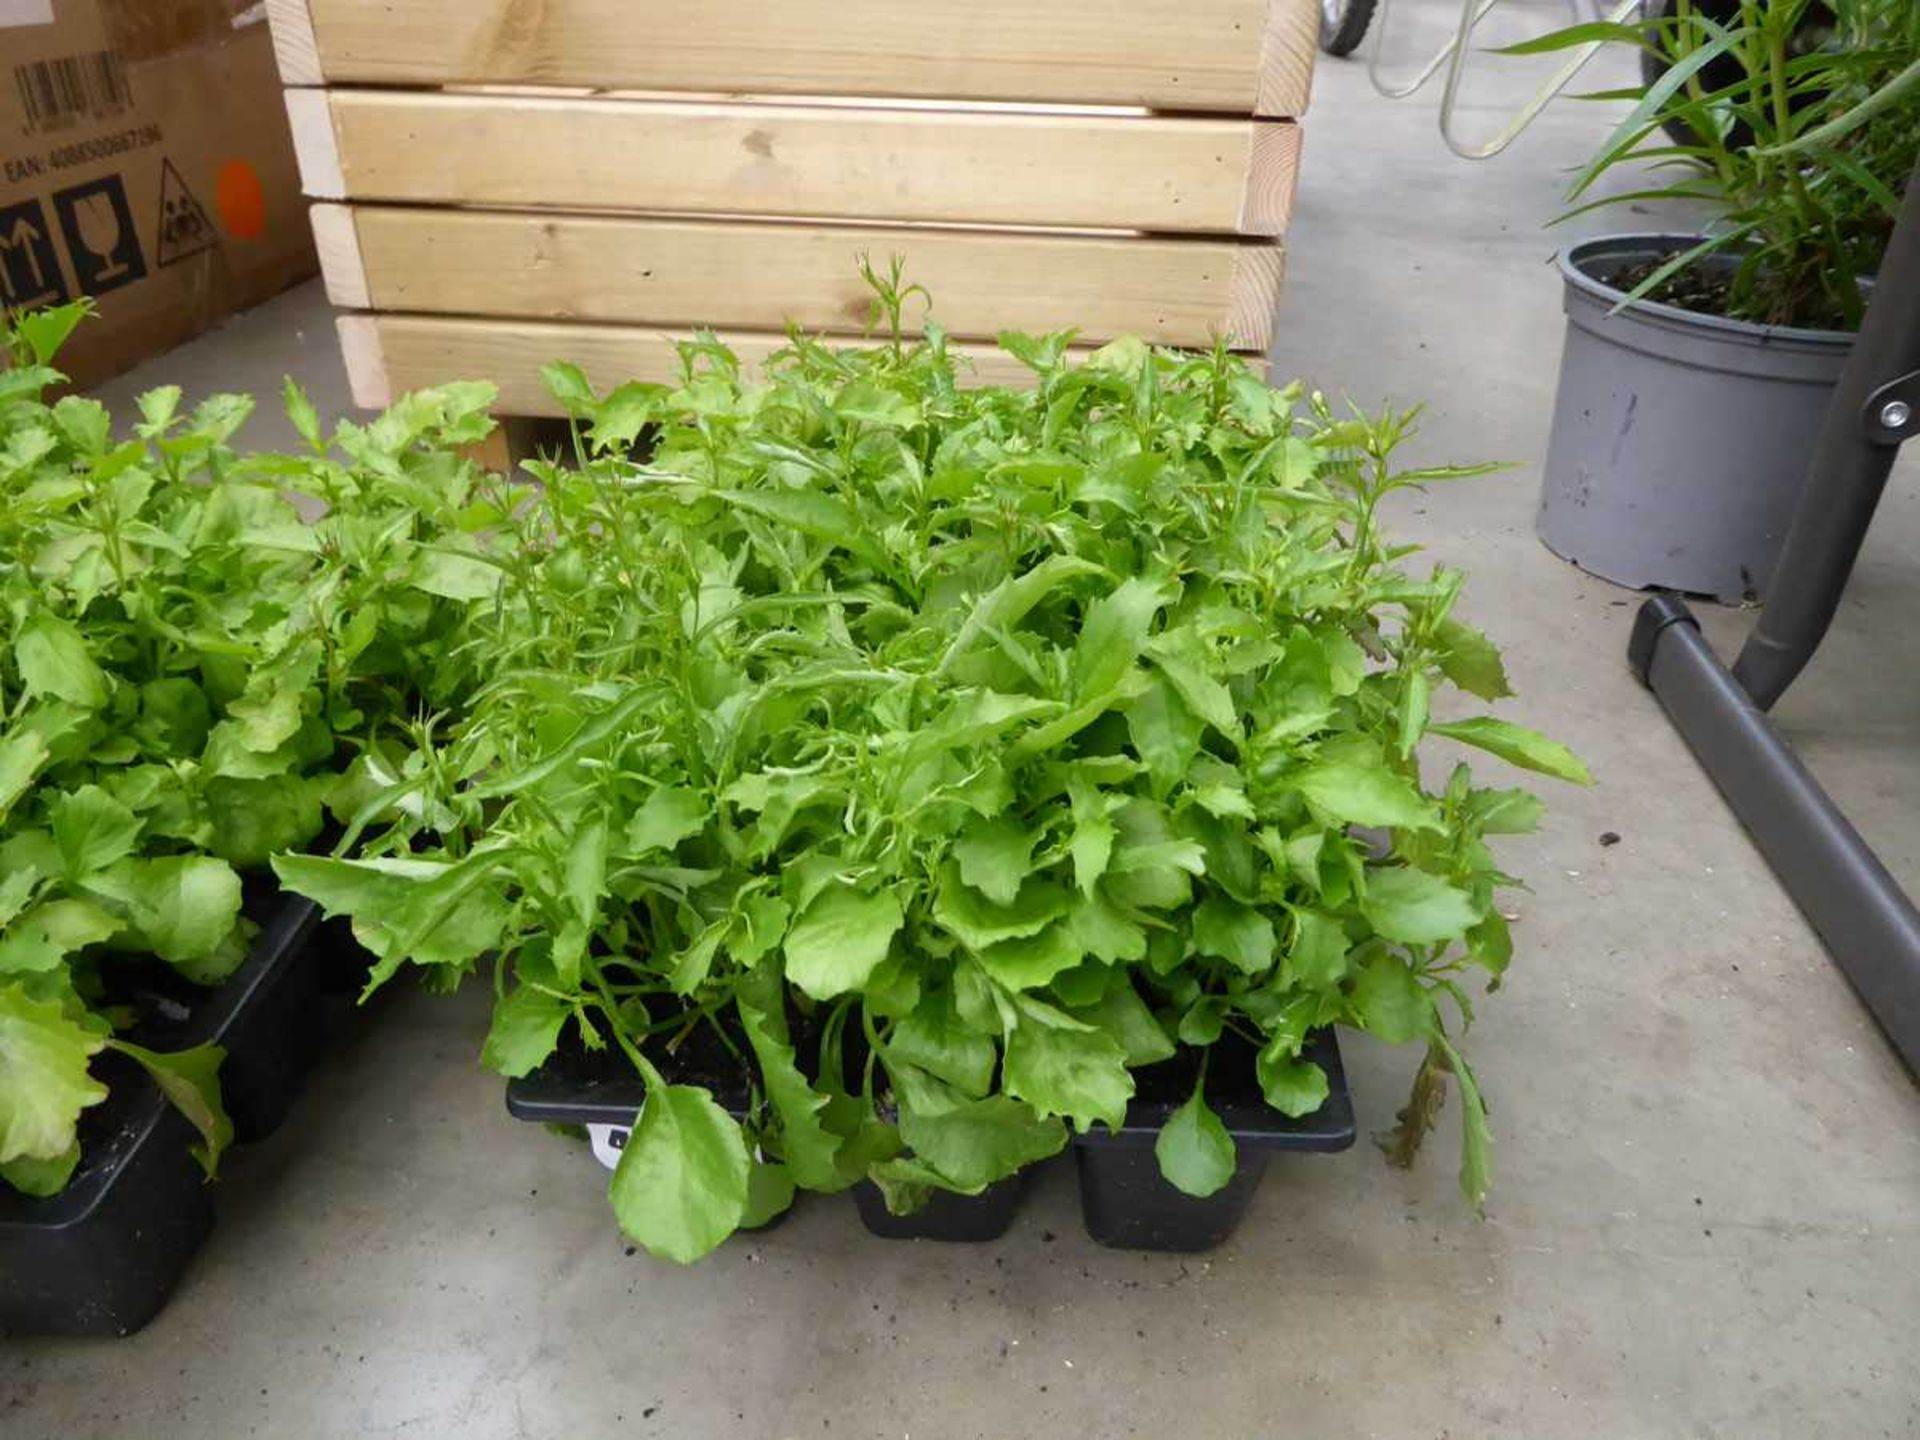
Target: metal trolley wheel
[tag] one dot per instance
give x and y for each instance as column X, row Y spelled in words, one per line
column 1343, row 24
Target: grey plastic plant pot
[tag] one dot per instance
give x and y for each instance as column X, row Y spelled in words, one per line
column 1680, row 441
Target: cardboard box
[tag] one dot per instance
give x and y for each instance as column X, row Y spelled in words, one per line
column 145, row 161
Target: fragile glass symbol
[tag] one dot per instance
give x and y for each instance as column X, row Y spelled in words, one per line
column 100, row 231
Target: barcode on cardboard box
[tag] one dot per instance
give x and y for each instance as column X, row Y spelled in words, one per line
column 57, row 94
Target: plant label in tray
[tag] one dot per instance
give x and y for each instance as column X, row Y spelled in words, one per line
column 608, row 1141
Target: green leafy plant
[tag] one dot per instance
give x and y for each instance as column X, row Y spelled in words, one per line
column 900, row 765
column 1796, row 123
column 190, row 673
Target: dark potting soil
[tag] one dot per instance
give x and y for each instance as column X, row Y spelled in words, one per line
column 1233, row 1089
column 158, row 1005
column 605, row 1080
column 1700, row 290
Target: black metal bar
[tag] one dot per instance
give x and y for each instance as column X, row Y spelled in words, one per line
column 1868, row 924
column 1856, row 450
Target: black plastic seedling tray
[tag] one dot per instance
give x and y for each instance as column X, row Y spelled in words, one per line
column 102, row 1256
column 946, row 1216
column 601, row 1092
column 1127, row 1203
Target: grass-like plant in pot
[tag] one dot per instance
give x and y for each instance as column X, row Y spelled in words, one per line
column 189, row 675
column 1698, row 366
column 885, row 770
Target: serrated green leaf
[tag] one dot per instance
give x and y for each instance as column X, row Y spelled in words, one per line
column 1079, row 1075
column 306, row 420
column 1029, row 962
column 977, row 922
column 1389, row 1001
column 1517, row 745
column 453, row 575
column 971, row 1144
column 1292, row 1086
column 1182, row 657
column 811, row 1151
column 1476, row 1136
column 995, row 856
column 670, row 814
column 1123, row 1015
column 1415, row 695
column 1346, row 662
column 811, row 513
column 185, row 905
column 839, row 939
column 429, row 912
column 759, row 925
column 91, row 830
column 45, row 330
column 1165, row 732
column 568, row 384
column 43, row 937
column 1204, row 1022
column 1233, row 932
column 1415, row 907
column 1318, row 957
column 44, row 1084
column 1490, row 944
column 934, row 1039
column 1470, row 660
column 253, row 820
column 1091, row 845
column 53, row 660
column 16, row 889
column 524, row 1031
column 190, row 1079
column 1103, row 931
column 1505, row 812
column 1114, row 633
column 41, row 1178
column 22, row 755
column 1366, row 795
column 1225, row 802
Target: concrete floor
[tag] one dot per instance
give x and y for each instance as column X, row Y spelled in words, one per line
column 1706, row 1221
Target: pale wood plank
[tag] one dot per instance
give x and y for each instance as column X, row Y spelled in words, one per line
column 1289, row 46
column 1193, row 55
column 762, row 275
column 363, row 351
column 337, row 243
column 992, row 167
column 388, row 355
column 316, row 148
column 1257, row 272
column 410, row 351
column 1273, row 173
column 295, row 50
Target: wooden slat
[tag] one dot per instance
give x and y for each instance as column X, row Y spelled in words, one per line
column 387, row 355
column 1231, row 56
column 761, row 276
column 989, row 167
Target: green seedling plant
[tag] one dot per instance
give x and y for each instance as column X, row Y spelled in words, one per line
column 190, row 675
column 1794, row 123
column 937, row 756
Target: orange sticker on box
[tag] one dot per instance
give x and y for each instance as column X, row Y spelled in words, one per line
column 241, row 199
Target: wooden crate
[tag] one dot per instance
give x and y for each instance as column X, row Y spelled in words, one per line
column 505, row 184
